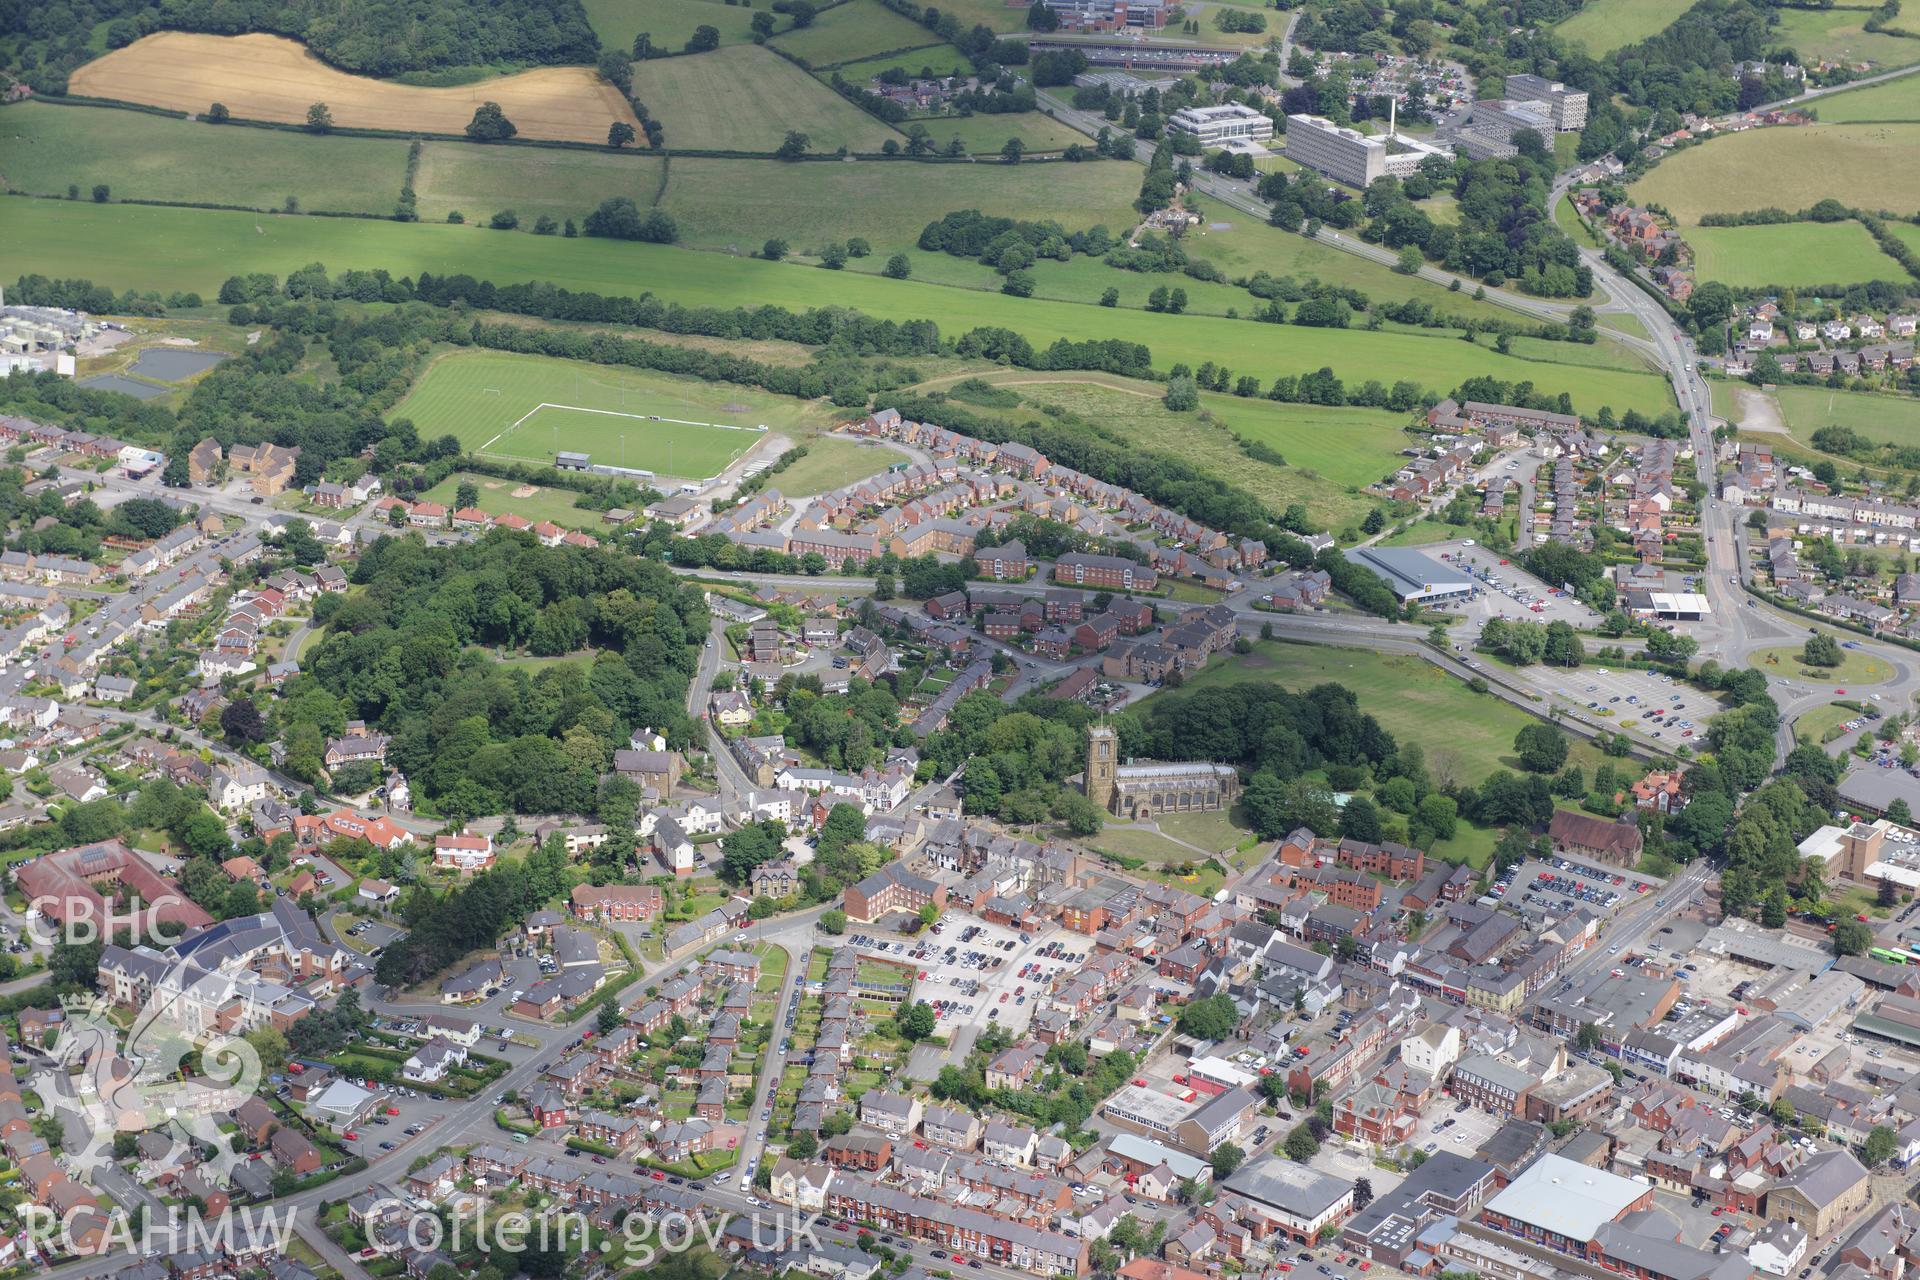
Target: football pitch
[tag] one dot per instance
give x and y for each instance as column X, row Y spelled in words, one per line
column 529, row 408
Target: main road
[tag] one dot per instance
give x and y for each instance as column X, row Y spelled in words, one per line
column 1741, row 623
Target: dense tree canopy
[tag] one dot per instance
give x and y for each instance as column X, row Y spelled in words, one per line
column 476, row 737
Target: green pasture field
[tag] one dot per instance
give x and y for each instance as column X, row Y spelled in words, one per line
column 745, row 98
column 940, row 58
column 739, row 204
column 671, row 22
column 44, row 148
column 1840, row 34
column 995, row 15
column 484, row 398
column 1868, row 165
column 1894, row 100
column 1792, row 253
column 1887, row 418
column 833, row 461
column 1604, row 354
column 143, row 247
column 1906, row 233
column 1330, row 452
column 852, row 31
column 1602, row 26
column 986, row 134
column 481, row 181
column 1466, row 735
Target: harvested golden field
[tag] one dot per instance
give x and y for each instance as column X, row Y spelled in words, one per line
column 262, row 77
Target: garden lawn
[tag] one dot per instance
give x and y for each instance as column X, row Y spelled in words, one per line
column 1602, row 26
column 1215, row 832
column 1466, row 735
column 833, row 461
column 479, row 182
column 1894, row 100
column 1789, row 254
column 739, row 204
column 850, row 32
column 44, row 148
column 1139, row 842
column 746, row 98
column 166, row 249
column 1866, row 165
column 671, row 22
column 1471, row 844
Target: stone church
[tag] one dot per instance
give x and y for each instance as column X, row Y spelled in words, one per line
column 1138, row 790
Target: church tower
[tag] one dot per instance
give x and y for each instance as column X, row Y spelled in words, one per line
column 1101, row 745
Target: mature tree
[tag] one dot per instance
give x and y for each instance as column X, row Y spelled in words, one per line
column 319, row 119
column 833, row 922
column 803, row 1146
column 704, row 39
column 1851, row 938
column 1362, row 1193
column 619, row 134
column 619, row 218
column 1225, row 1159
column 793, row 146
column 1878, row 1147
column 1360, row 820
column 1587, row 1038
column 774, row 249
column 897, row 268
column 915, row 1021
column 617, row 70
column 1821, row 650
column 242, row 722
column 1301, row 1146
column 75, row 964
column 490, row 124
column 218, row 113
column 1210, row 1018
column 1012, row 150
column 1542, row 748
